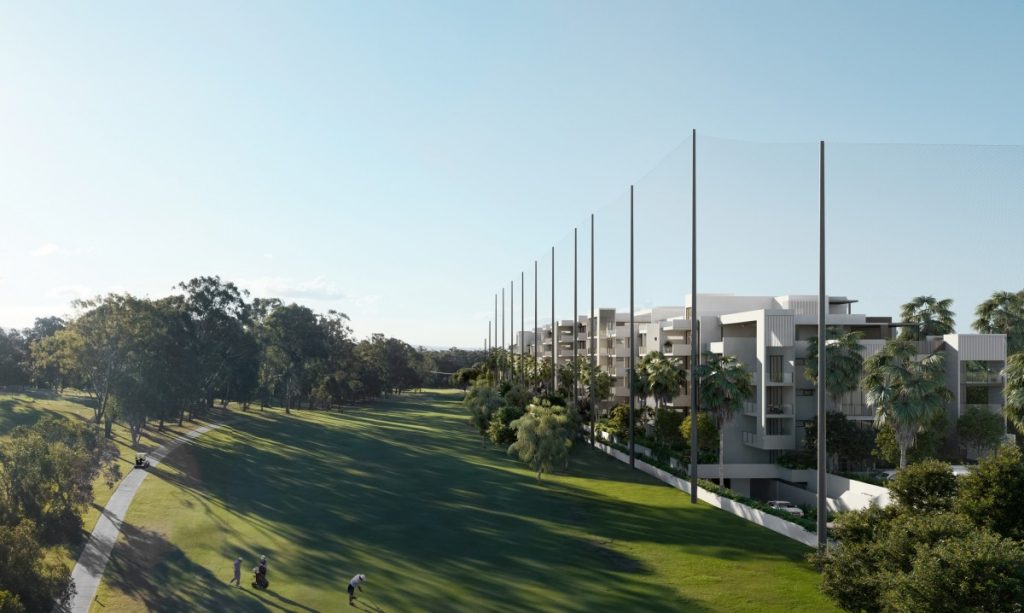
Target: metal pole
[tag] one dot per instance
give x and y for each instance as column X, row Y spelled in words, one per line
column 632, row 343
column 512, row 328
column 575, row 324
column 495, row 336
column 694, row 327
column 536, row 327
column 822, row 483
column 501, row 354
column 592, row 334
column 522, row 327
column 554, row 329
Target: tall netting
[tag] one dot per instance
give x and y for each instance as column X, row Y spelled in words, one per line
column 662, row 224
column 918, row 220
column 757, row 208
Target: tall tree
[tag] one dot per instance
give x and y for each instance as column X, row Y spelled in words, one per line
column 843, row 361
column 96, row 345
column 933, row 317
column 1003, row 313
column 293, row 344
column 219, row 313
column 724, row 386
column 906, row 392
column 1013, row 390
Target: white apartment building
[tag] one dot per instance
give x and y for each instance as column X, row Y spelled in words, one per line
column 768, row 335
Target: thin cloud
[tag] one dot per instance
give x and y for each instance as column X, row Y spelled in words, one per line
column 46, row 250
column 317, row 288
column 71, row 292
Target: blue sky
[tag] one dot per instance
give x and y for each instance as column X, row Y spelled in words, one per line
column 400, row 161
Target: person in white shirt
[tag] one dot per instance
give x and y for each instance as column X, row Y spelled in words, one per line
column 356, row 582
column 237, row 579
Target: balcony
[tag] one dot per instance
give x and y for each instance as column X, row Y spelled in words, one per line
column 677, row 349
column 621, row 352
column 768, row 441
column 783, row 377
column 982, row 377
column 620, row 391
column 773, row 410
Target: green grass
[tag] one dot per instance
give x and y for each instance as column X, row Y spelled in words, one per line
column 405, row 493
column 26, row 408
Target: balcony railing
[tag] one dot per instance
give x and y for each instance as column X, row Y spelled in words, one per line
column 768, row 441
column 779, row 410
column 779, row 377
column 982, row 377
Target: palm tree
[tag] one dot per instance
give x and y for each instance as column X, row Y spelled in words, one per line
column 906, row 392
column 934, row 317
column 1014, row 390
column 724, row 386
column 843, row 361
column 665, row 378
column 1003, row 313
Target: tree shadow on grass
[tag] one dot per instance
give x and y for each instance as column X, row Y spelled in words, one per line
column 160, row 575
column 403, row 505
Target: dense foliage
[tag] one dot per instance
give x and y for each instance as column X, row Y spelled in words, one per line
column 46, row 476
column 147, row 359
column 945, row 544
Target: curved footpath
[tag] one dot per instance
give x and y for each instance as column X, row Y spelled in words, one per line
column 93, row 561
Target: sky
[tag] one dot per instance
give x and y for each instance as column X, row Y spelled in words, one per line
column 402, row 162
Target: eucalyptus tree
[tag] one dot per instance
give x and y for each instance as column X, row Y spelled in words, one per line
column 218, row 312
column 725, row 384
column 933, row 317
column 843, row 361
column 905, row 391
column 1003, row 313
column 95, row 346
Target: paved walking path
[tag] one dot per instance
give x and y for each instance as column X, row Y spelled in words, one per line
column 91, row 564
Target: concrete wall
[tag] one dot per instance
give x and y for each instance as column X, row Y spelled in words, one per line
column 773, row 523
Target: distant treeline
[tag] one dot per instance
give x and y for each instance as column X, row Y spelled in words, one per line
column 163, row 359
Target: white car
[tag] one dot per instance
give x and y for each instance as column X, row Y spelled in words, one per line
column 787, row 506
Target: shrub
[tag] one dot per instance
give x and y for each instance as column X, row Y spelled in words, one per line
column 976, row 572
column 482, row 400
column 979, row 430
column 32, row 582
column 500, row 431
column 543, row 438
column 992, row 494
column 925, row 486
column 707, row 431
column 797, row 459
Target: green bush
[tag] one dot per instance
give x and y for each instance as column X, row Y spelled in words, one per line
column 797, row 460
column 926, row 486
column 977, row 572
column 992, row 494
column 500, row 430
column 666, row 426
column 707, row 431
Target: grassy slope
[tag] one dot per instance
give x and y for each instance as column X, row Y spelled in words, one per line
column 405, row 493
column 25, row 409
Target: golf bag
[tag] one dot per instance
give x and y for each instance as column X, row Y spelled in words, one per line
column 260, row 578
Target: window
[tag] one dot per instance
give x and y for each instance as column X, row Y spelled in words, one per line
column 809, row 392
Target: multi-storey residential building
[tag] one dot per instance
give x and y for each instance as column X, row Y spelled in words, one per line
column 769, row 335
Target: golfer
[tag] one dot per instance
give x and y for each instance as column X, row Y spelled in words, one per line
column 356, row 582
column 237, row 579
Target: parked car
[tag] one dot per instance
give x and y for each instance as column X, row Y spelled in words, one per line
column 787, row 506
